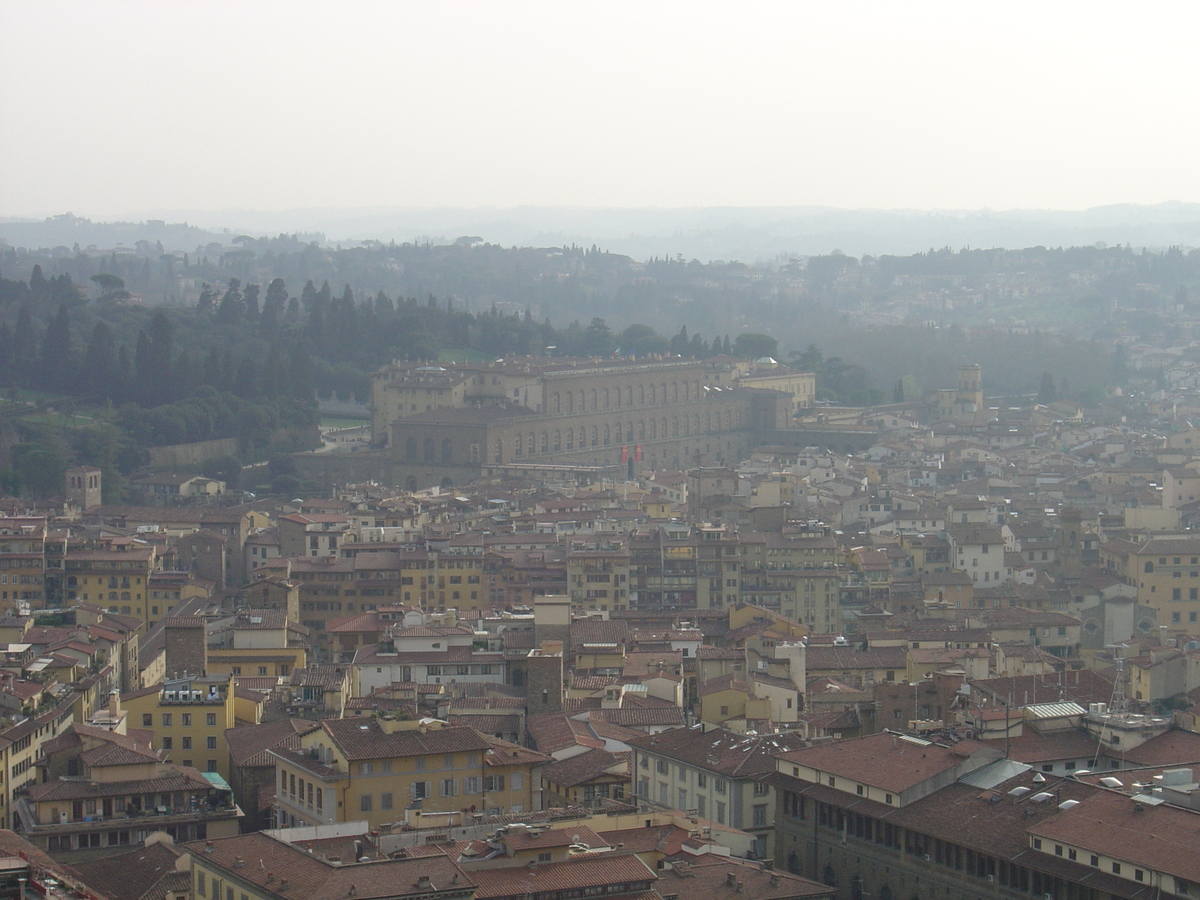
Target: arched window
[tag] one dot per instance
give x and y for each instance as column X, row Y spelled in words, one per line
column 641, row 430
column 593, row 399
column 793, row 863
column 607, row 436
column 641, row 395
column 570, row 401
column 545, row 442
column 653, row 429
column 428, row 450
column 1149, row 566
column 606, row 398
column 557, row 440
column 518, row 447
column 652, row 401
column 629, row 396
column 556, row 403
column 124, row 596
column 498, row 455
column 829, row 876
column 675, row 427
column 856, row 888
column 582, row 406
column 475, row 451
column 532, row 443
column 410, row 449
column 410, row 483
column 617, row 395
column 448, row 450
column 595, row 435
column 675, row 391
column 570, row 439
column 629, row 431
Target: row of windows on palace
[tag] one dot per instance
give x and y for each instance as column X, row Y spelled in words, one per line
column 604, row 398
column 553, row 441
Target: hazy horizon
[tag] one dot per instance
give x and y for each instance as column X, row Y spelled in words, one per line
column 132, row 106
column 744, row 234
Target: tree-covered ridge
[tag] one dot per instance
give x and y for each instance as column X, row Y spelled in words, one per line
column 910, row 317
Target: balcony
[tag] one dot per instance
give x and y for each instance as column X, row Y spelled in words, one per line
column 26, row 818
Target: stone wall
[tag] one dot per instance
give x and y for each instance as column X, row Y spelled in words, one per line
column 192, row 454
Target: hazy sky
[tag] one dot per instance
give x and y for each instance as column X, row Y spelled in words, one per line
column 112, row 108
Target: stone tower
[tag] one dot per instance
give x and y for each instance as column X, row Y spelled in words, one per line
column 970, row 391
column 83, row 486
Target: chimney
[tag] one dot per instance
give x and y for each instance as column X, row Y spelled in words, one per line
column 114, row 704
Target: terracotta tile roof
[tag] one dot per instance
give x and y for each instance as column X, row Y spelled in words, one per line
column 583, row 768
column 505, row 753
column 1109, row 823
column 553, row 732
column 1083, row 686
column 725, row 752
column 12, row 844
column 848, row 659
column 579, row 704
column 714, row 877
column 888, row 761
column 1174, row 747
column 136, row 874
column 639, row 717
column 462, row 703
column 184, row 778
column 363, row 738
column 719, row 653
column 665, row 839
column 311, row 878
column 575, row 874
column 1034, row 748
column 247, row 744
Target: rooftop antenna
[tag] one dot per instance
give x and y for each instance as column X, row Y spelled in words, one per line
column 1119, row 702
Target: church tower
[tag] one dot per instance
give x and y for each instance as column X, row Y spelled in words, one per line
column 83, row 486
column 970, row 392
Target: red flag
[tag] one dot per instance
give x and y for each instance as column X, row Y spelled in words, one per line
column 624, row 454
column 637, row 453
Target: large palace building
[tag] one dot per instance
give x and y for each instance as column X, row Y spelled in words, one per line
column 451, row 424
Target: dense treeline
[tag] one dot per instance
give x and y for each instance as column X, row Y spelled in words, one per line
column 244, row 362
column 1082, row 298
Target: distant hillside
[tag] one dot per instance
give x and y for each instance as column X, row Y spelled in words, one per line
column 725, row 233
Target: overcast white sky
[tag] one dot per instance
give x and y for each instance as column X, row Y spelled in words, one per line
column 110, row 108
